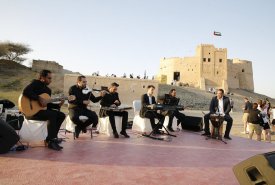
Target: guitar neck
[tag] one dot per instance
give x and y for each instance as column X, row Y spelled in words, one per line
column 56, row 99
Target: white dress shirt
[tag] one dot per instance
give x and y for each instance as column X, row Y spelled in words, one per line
column 220, row 106
column 150, row 99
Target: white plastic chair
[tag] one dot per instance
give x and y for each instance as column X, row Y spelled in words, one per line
column 140, row 124
column 105, row 125
column 166, row 121
column 33, row 131
column 70, row 126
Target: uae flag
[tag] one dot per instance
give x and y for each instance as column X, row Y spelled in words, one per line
column 216, row 33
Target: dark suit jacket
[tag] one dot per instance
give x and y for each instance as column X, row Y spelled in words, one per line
column 144, row 103
column 215, row 103
column 107, row 101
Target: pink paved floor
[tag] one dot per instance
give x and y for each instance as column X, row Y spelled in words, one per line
column 187, row 159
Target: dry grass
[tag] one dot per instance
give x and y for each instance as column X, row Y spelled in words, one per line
column 10, row 95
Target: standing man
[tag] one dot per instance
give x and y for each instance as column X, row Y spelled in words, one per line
column 54, row 117
column 220, row 104
column 78, row 107
column 111, row 99
column 247, row 107
column 145, row 112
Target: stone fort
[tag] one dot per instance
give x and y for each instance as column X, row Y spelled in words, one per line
column 210, row 67
column 38, row 65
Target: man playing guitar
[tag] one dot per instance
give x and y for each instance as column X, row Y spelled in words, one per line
column 55, row 118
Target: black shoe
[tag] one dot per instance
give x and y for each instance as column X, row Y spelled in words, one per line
column 156, row 132
column 227, row 137
column 124, row 134
column 77, row 131
column 170, row 129
column 115, row 135
column 206, row 134
column 54, row 146
column 58, row 140
column 84, row 130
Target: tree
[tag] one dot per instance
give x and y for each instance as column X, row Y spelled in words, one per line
column 13, row 51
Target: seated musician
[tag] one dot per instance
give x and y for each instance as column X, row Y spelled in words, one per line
column 145, row 112
column 78, row 107
column 54, row 117
column 111, row 99
column 220, row 104
column 171, row 99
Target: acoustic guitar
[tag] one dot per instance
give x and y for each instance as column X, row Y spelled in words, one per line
column 30, row 107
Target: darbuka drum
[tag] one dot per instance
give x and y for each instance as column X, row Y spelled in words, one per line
column 217, row 125
column 216, row 120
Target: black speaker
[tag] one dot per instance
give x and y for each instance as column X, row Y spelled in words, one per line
column 256, row 170
column 15, row 121
column 192, row 123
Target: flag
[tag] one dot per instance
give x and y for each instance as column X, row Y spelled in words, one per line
column 216, row 33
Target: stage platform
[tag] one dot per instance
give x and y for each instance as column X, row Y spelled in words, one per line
column 186, row 159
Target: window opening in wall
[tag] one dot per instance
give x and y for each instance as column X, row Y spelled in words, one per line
column 220, row 60
column 204, row 59
column 177, row 76
column 243, row 70
column 209, row 53
column 208, row 59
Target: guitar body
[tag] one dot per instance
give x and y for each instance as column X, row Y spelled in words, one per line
column 30, row 107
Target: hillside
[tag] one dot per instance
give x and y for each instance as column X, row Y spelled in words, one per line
column 196, row 99
column 14, row 77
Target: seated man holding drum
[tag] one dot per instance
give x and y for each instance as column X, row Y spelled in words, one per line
column 219, row 105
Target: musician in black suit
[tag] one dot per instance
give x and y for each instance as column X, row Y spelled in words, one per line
column 52, row 114
column 78, row 106
column 220, row 104
column 171, row 99
column 111, row 99
column 145, row 112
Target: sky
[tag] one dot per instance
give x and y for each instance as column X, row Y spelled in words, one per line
column 131, row 36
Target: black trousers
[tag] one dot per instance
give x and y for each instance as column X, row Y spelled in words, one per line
column 180, row 117
column 8, row 137
column 123, row 114
column 55, row 119
column 76, row 112
column 227, row 118
column 152, row 115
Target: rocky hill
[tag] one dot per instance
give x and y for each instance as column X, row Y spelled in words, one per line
column 14, row 77
column 196, row 99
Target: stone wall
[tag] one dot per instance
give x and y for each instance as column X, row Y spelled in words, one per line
column 129, row 89
column 54, row 67
column 241, row 74
column 57, row 73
